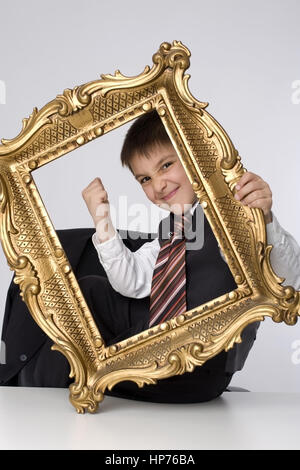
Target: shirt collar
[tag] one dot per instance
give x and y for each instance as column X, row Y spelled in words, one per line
column 193, row 208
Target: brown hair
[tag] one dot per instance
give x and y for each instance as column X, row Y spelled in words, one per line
column 146, row 132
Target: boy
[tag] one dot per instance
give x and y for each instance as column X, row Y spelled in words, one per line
column 127, row 296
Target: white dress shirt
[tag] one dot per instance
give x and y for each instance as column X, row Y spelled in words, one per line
column 130, row 273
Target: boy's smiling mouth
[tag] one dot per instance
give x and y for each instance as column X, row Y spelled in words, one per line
column 171, row 194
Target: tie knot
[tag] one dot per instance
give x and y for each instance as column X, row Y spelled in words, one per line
column 182, row 223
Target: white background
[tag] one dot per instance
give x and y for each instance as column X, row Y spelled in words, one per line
column 245, row 60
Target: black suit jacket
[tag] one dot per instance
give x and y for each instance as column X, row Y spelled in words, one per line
column 23, row 338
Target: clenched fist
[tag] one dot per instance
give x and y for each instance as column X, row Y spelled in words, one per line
column 96, row 199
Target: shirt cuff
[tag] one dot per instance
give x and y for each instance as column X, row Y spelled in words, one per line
column 275, row 233
column 109, row 249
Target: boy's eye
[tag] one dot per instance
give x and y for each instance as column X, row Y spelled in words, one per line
column 166, row 165
column 144, row 180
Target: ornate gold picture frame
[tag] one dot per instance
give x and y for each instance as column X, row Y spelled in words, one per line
column 43, row 272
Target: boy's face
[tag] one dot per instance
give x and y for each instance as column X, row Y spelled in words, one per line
column 163, row 178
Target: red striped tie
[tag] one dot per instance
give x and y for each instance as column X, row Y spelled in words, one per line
column 168, row 290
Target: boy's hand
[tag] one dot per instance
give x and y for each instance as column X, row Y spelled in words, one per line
column 253, row 191
column 96, row 199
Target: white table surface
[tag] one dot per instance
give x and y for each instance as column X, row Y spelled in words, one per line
column 43, row 418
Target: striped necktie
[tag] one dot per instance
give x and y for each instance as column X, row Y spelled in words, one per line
column 168, row 290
